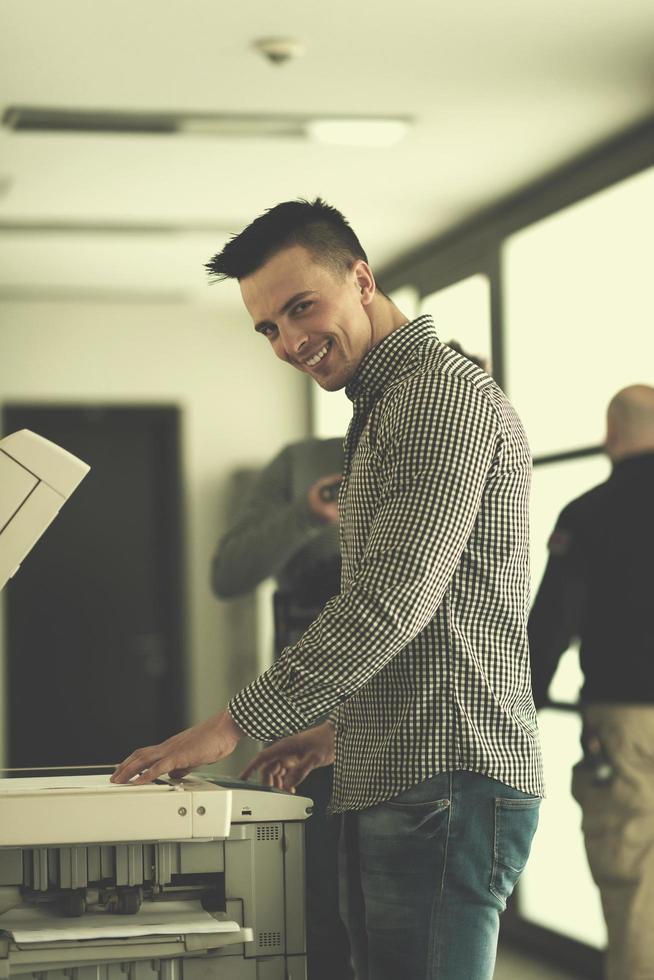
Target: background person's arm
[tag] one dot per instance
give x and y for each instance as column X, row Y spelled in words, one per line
column 269, row 529
column 556, row 615
column 289, row 761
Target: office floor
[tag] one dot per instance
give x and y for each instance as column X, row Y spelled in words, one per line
column 512, row 965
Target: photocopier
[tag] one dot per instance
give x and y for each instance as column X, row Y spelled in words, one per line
column 194, row 879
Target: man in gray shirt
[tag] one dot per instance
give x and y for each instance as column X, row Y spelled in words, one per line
column 285, row 528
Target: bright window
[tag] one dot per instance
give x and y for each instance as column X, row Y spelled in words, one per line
column 579, row 297
column 462, row 313
column 556, row 890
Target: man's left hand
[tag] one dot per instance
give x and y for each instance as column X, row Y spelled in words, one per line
column 207, row 742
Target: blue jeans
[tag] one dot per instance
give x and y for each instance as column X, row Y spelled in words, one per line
column 438, row 863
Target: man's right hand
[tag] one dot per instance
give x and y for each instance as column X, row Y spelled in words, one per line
column 326, row 510
column 289, row 761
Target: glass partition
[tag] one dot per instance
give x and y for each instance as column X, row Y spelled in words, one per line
column 579, row 298
column 556, row 888
column 462, row 313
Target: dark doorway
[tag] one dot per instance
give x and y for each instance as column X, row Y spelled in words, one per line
column 94, row 616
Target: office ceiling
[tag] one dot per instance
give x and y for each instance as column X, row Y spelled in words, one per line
column 500, row 94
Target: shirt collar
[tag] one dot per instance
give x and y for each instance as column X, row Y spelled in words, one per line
column 384, row 361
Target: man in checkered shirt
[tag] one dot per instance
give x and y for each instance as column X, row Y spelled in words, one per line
column 414, row 680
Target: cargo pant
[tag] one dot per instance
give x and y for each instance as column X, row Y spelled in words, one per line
column 618, row 827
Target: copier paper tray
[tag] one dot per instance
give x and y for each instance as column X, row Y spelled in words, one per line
column 181, row 880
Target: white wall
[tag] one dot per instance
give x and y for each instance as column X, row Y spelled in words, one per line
column 239, row 405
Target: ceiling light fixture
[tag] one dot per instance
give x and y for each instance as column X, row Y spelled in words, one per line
column 375, row 131
column 357, row 132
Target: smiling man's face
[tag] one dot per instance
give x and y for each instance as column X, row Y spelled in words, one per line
column 314, row 317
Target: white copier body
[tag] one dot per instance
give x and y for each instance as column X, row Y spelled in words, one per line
column 69, row 844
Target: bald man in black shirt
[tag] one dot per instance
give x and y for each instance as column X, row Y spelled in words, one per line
column 598, row 587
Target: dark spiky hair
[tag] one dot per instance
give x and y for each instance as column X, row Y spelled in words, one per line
column 315, row 225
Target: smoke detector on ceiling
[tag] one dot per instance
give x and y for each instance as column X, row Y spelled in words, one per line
column 279, row 50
